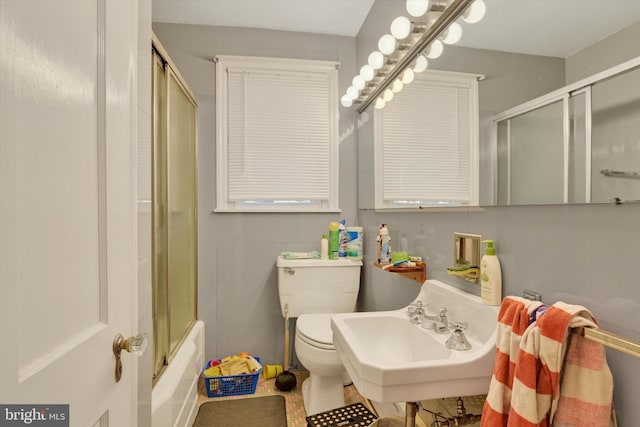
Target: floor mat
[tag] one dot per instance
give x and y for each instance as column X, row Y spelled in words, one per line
column 266, row 411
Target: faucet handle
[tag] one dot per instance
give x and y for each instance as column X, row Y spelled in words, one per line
column 457, row 340
column 458, row 325
column 415, row 307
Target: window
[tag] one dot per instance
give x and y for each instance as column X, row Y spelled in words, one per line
column 426, row 143
column 277, row 135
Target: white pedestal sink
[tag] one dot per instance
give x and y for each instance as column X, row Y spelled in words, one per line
column 391, row 359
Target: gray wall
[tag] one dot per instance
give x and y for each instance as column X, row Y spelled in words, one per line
column 613, row 50
column 237, row 287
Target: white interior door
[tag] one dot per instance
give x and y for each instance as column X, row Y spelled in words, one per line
column 67, row 206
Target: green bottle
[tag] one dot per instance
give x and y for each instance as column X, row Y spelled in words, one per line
column 334, row 240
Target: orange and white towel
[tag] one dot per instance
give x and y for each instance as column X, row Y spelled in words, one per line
column 541, row 397
column 513, row 320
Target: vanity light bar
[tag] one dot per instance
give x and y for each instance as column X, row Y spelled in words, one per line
column 448, row 16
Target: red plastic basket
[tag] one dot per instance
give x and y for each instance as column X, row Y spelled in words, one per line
column 231, row 385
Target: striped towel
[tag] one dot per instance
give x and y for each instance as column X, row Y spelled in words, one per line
column 513, row 320
column 540, row 396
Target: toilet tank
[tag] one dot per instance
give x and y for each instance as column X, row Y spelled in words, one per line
column 318, row 286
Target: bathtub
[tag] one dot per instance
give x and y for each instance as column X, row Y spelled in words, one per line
column 174, row 397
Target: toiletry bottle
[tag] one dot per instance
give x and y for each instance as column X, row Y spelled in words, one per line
column 334, row 240
column 404, row 243
column 354, row 242
column 384, row 245
column 490, row 276
column 342, row 239
column 324, row 247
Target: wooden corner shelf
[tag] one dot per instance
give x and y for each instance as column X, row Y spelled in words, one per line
column 417, row 273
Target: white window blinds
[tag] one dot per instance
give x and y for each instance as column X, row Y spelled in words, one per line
column 280, row 140
column 426, row 143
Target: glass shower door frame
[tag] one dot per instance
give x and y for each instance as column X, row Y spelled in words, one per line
column 169, row 333
column 565, row 95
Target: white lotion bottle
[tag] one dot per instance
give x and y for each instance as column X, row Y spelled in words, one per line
column 324, row 247
column 490, row 276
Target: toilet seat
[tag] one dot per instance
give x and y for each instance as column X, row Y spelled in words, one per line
column 315, row 330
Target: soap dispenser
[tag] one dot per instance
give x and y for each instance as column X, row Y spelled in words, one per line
column 490, row 276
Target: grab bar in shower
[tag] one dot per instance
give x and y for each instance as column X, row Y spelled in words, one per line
column 621, row 174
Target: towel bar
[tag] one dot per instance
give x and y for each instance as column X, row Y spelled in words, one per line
column 614, row 341
column 608, row 339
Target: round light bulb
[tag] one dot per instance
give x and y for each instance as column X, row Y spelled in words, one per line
column 367, row 72
column 417, row 8
column 407, row 76
column 401, row 27
column 387, row 44
column 376, row 60
column 358, row 82
column 387, row 95
column 379, row 104
column 346, row 101
column 397, row 86
column 352, row 92
column 453, row 34
column 421, row 64
column 435, row 50
column 475, row 12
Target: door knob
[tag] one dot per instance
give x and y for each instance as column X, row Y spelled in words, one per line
column 136, row 344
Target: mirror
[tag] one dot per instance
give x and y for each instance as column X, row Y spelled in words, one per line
column 528, row 49
column 466, row 257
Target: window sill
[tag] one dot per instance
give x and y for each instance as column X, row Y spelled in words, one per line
column 434, row 209
column 276, row 211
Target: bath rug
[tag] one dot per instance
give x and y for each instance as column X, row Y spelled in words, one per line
column 268, row 411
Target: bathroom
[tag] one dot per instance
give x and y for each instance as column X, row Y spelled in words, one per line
column 572, row 252
column 581, row 253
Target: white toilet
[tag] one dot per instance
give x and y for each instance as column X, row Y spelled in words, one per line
column 313, row 290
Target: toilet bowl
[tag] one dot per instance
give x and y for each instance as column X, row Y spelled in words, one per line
column 323, row 390
column 313, row 290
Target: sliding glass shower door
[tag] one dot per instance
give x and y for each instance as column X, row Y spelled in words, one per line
column 576, row 145
column 174, row 211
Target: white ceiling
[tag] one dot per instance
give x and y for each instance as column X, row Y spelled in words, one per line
column 557, row 28
column 340, row 17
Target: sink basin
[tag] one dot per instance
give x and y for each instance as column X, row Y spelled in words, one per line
column 390, row 359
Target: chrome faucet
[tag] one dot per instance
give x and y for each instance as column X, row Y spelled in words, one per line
column 418, row 315
column 439, row 323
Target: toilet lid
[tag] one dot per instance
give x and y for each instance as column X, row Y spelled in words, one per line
column 316, row 327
